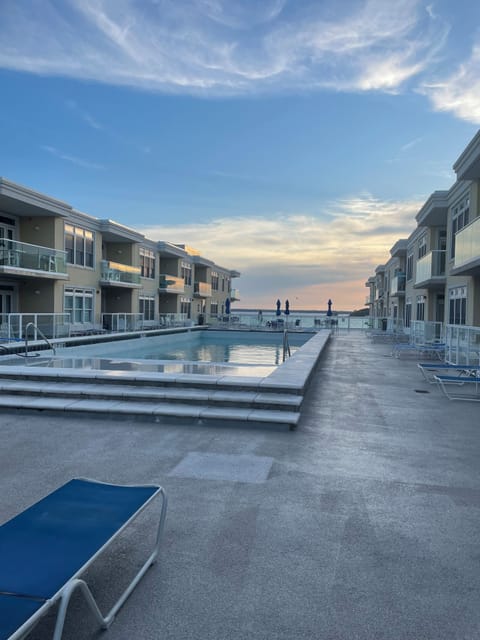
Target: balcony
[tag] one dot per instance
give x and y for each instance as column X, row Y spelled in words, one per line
column 234, row 295
column 397, row 285
column 467, row 250
column 115, row 274
column 171, row 284
column 32, row 260
column 431, row 271
column 202, row 290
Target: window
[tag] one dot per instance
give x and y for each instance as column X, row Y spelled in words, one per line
column 79, row 245
column 186, row 273
column 460, row 218
column 147, row 263
column 420, row 308
column 79, row 304
column 186, row 307
column 146, row 305
column 223, row 284
column 457, row 305
column 410, row 266
column 408, row 313
column 214, row 308
column 422, row 247
column 215, row 281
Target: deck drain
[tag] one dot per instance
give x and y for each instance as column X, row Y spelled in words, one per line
column 421, row 391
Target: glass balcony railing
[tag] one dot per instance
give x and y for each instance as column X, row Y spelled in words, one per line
column 397, row 284
column 114, row 272
column 202, row 290
column 171, row 284
column 234, row 294
column 467, row 244
column 431, row 266
column 21, row 255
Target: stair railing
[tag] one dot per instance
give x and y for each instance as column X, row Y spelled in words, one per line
column 27, row 327
column 286, row 345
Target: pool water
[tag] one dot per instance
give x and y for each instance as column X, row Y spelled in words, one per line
column 216, row 353
column 213, row 347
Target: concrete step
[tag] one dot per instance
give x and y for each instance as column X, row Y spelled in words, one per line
column 155, row 380
column 150, row 394
column 148, row 410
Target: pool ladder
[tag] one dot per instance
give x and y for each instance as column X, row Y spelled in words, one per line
column 32, row 324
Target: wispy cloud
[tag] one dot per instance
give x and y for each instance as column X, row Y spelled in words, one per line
column 84, row 115
column 411, row 144
column 73, row 159
column 459, row 92
column 224, row 47
column 296, row 252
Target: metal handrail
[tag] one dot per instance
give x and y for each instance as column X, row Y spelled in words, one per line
column 286, row 345
column 32, row 324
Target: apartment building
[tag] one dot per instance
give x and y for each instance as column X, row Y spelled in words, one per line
column 440, row 261
column 57, row 260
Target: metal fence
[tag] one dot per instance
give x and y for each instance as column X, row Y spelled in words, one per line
column 426, row 332
column 462, row 344
column 52, row 325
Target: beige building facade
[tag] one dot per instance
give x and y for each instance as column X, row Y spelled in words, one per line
column 439, row 262
column 57, row 260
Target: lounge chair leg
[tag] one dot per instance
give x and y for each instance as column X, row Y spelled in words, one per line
column 65, row 600
column 106, row 621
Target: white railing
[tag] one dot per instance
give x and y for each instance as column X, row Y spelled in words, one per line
column 397, row 284
column 122, row 322
column 116, row 272
column 467, row 244
column 295, row 321
column 52, row 325
column 23, row 255
column 432, row 265
column 171, row 284
column 173, row 319
column 462, row 344
column 426, row 332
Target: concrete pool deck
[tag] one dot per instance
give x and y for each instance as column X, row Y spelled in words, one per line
column 361, row 524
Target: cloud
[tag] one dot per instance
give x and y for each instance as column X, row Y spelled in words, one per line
column 459, row 92
column 84, row 115
column 74, row 160
column 292, row 253
column 411, row 144
column 222, row 47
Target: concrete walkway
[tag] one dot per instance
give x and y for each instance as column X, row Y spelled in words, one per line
column 361, row 524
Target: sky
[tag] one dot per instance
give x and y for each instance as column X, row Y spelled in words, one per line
column 291, row 140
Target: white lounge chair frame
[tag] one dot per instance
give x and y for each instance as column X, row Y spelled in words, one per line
column 431, row 369
column 450, row 386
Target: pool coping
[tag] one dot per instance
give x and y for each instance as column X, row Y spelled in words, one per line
column 293, row 375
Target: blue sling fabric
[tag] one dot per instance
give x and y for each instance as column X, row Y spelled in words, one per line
column 14, row 612
column 45, row 545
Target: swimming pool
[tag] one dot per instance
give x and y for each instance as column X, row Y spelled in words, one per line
column 200, row 352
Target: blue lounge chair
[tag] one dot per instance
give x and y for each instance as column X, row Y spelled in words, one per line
column 432, row 350
column 431, row 369
column 45, row 549
column 460, row 387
